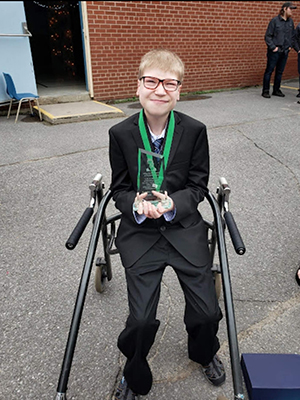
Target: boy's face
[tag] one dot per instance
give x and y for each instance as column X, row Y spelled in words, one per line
column 157, row 102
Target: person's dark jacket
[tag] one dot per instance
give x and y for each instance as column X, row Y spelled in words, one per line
column 280, row 33
column 297, row 38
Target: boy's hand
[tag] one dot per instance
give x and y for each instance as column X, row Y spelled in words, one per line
column 142, row 206
column 138, row 204
column 166, row 204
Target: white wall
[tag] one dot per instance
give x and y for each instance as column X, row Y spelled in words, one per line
column 15, row 52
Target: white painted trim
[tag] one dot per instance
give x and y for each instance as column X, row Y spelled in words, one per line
column 87, row 47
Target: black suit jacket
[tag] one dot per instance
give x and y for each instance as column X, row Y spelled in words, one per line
column 186, row 178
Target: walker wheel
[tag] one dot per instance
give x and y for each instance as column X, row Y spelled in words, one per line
column 100, row 278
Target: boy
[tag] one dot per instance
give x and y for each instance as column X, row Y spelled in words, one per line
column 169, row 231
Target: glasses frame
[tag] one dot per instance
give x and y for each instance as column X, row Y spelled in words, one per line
column 160, row 81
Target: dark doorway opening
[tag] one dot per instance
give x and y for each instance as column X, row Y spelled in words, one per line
column 56, row 42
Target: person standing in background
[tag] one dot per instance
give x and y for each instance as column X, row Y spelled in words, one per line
column 297, row 48
column 279, row 38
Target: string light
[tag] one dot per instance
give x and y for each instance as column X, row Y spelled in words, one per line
column 61, row 35
column 56, row 6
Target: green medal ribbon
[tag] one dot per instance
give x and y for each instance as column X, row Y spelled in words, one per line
column 158, row 179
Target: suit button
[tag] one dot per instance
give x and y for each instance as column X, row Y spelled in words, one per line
column 163, row 228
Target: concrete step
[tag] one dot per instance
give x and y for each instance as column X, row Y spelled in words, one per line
column 75, row 111
column 67, row 98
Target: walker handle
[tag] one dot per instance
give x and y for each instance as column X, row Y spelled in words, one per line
column 236, row 238
column 79, row 229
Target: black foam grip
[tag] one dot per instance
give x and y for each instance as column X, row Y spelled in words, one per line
column 237, row 241
column 79, row 229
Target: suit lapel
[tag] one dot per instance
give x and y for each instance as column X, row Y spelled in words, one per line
column 176, row 138
column 136, row 133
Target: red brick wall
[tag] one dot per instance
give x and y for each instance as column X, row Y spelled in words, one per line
column 221, row 42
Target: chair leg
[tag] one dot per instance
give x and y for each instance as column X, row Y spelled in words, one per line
column 8, row 114
column 30, row 105
column 20, row 102
column 37, row 102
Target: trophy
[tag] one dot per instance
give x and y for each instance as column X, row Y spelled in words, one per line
column 151, row 170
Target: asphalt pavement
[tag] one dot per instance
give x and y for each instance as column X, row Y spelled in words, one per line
column 45, row 175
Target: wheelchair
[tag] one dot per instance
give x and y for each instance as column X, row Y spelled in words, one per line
column 105, row 226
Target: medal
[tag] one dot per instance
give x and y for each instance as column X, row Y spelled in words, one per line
column 149, row 178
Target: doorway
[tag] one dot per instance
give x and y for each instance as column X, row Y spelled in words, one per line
column 56, row 46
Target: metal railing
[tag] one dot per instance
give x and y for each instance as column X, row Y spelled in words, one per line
column 25, row 33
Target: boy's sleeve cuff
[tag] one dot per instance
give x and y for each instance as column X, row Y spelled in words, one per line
column 170, row 215
column 139, row 218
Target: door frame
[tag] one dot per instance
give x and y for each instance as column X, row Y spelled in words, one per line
column 86, row 47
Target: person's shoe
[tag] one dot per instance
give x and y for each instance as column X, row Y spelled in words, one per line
column 266, row 95
column 298, row 95
column 278, row 93
column 214, row 372
column 124, row 392
column 297, row 276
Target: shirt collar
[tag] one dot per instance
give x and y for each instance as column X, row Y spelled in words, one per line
column 155, row 137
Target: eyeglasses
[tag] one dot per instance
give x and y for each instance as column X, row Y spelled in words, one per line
column 170, row 85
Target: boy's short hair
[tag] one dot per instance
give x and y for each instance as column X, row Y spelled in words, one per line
column 163, row 59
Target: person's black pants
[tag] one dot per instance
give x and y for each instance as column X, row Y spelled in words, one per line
column 202, row 312
column 275, row 60
column 299, row 68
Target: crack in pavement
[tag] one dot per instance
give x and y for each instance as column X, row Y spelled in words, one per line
column 117, row 378
column 273, row 157
column 250, row 122
column 186, row 371
column 52, row 157
column 271, row 317
column 99, row 148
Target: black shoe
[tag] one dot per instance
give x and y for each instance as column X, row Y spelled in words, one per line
column 214, row 372
column 298, row 95
column 278, row 93
column 124, row 392
column 266, row 95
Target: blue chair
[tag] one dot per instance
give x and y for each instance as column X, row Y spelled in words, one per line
column 20, row 97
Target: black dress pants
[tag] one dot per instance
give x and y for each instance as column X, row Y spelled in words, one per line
column 202, row 312
column 275, row 60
